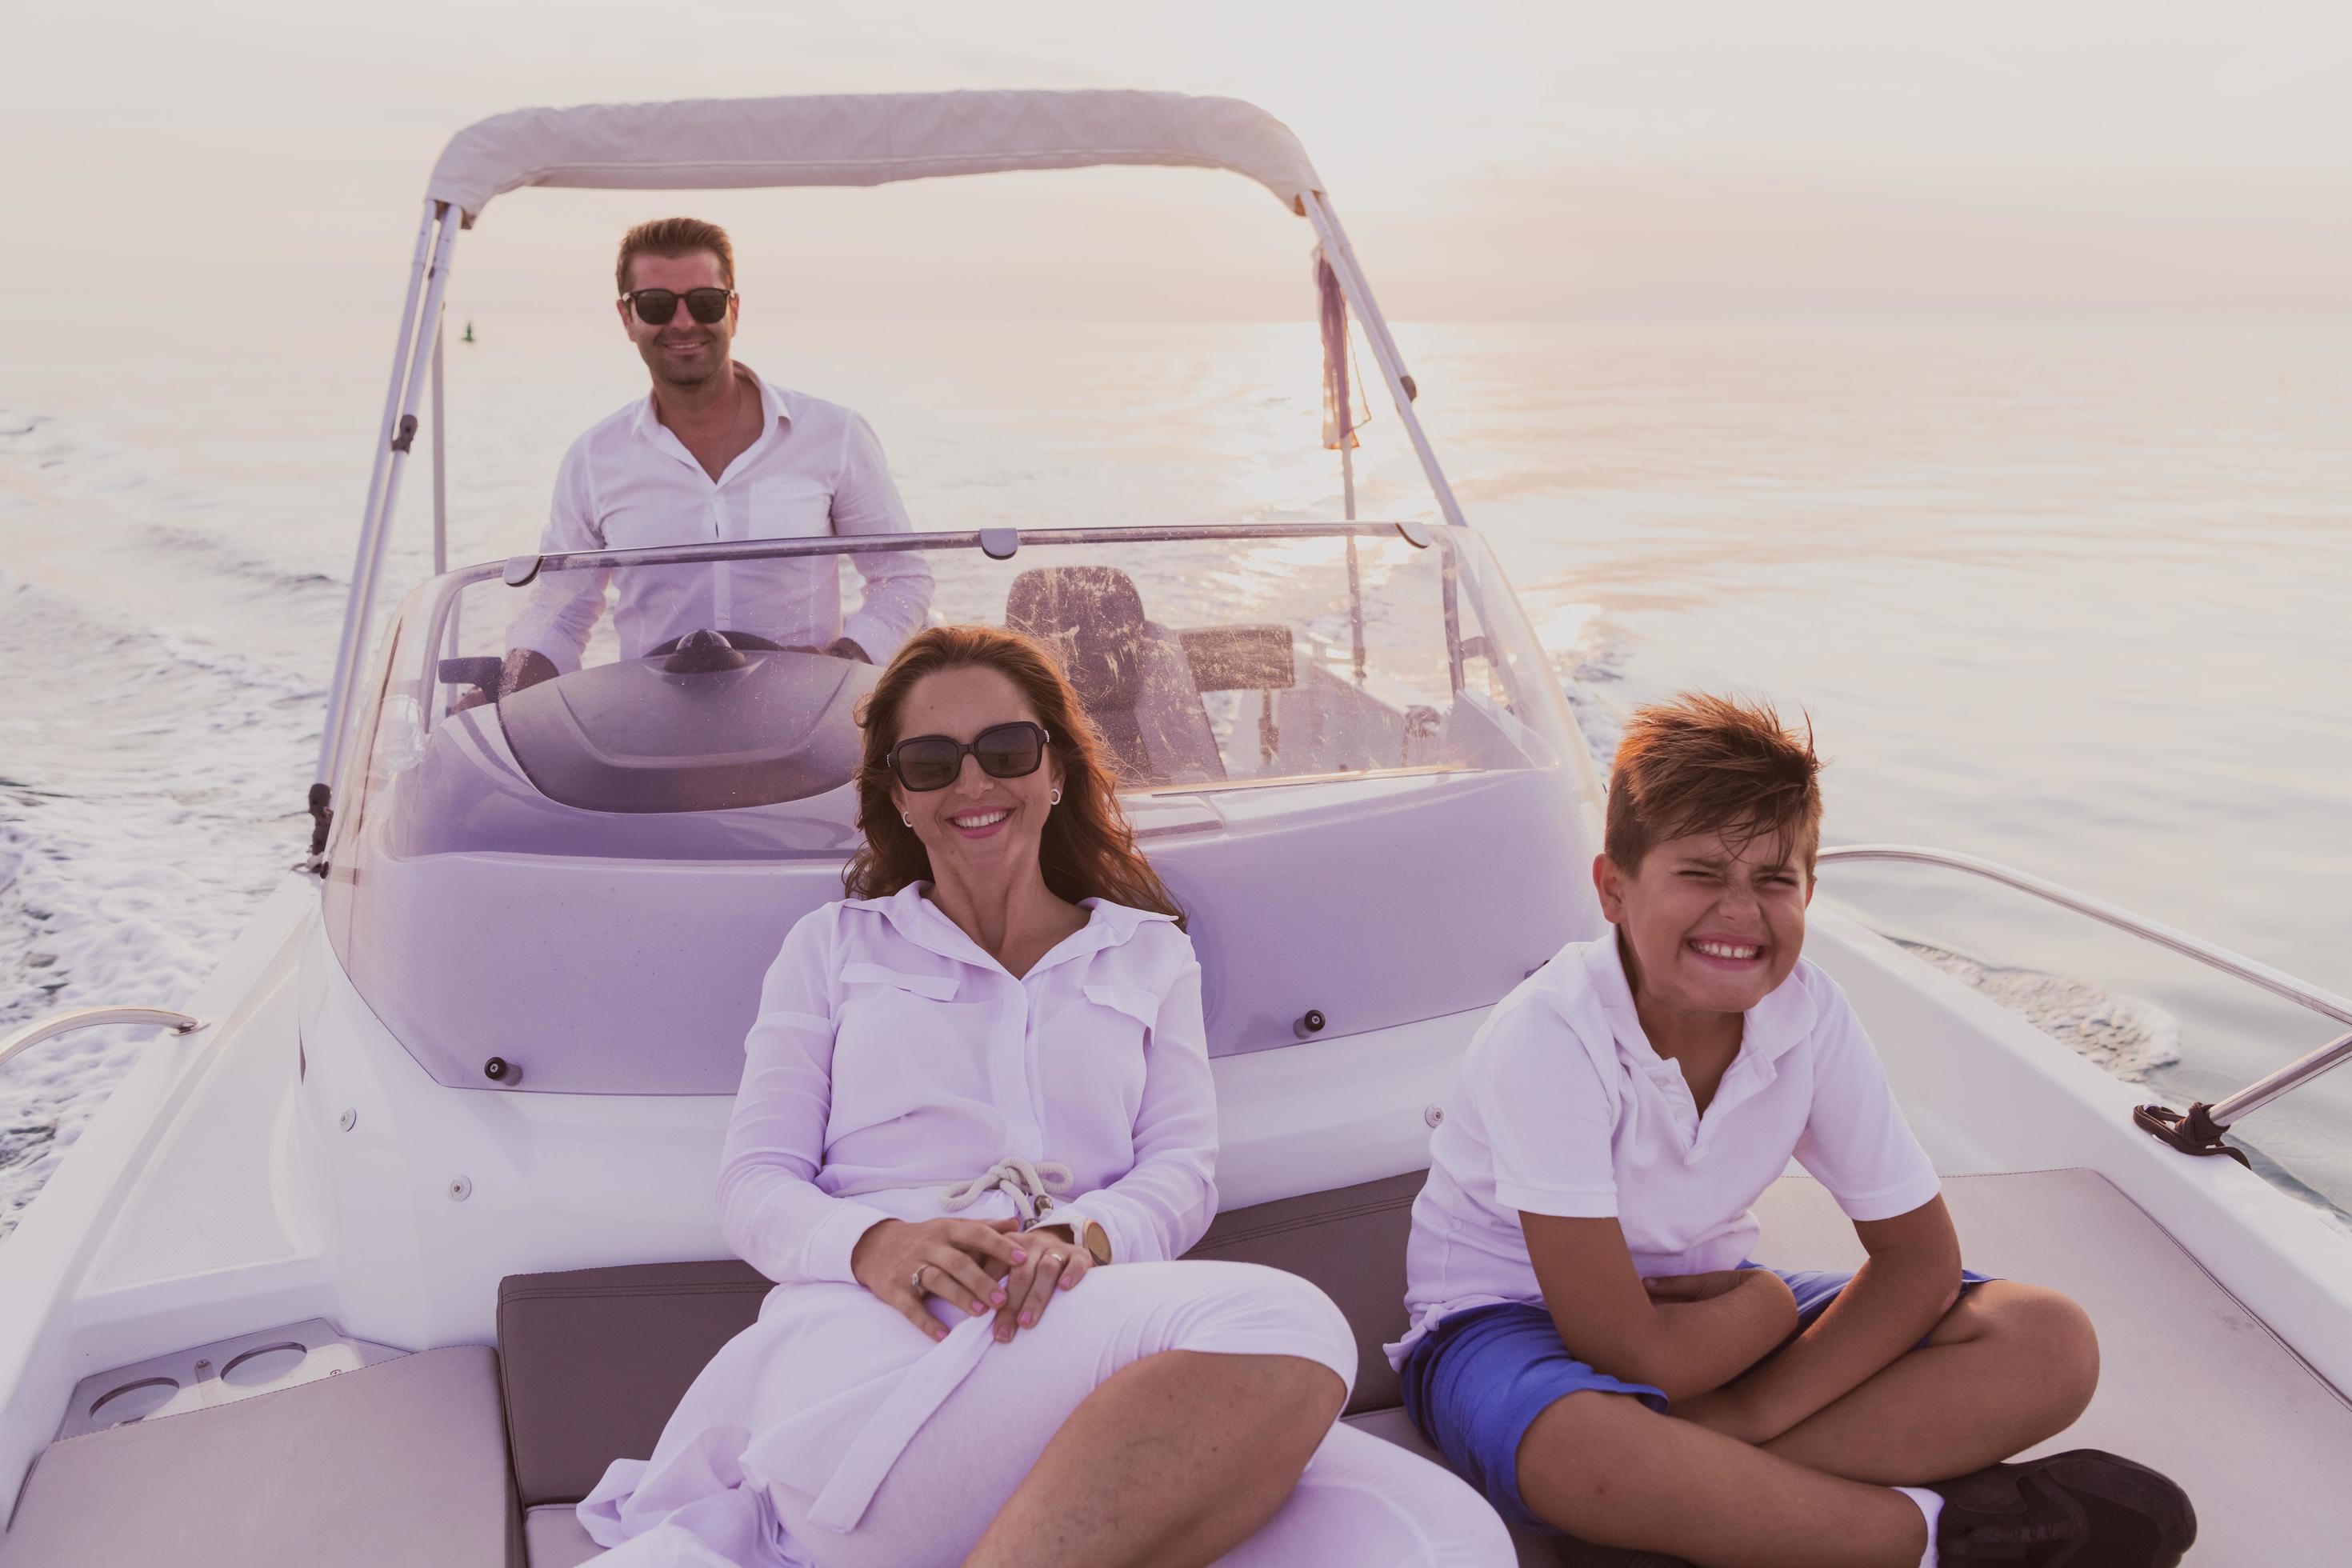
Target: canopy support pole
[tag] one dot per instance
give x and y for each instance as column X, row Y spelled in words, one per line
column 1338, row 404
column 428, row 275
column 1342, row 257
column 440, row 464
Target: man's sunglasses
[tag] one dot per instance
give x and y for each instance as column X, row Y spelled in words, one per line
column 925, row 762
column 654, row 306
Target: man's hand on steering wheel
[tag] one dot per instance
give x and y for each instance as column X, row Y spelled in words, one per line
column 839, row 648
column 522, row 667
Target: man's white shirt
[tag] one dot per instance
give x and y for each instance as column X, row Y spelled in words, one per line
column 1562, row 1107
column 629, row 483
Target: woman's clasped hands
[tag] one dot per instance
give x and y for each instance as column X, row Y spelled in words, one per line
column 1055, row 1262
column 973, row 1264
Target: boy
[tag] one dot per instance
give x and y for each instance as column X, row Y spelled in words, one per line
column 1589, row 1345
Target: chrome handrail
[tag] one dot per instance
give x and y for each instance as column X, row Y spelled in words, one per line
column 2273, row 981
column 2262, row 1091
column 519, row 570
column 32, row 1034
column 2196, row 1130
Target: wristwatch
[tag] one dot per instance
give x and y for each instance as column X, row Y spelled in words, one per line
column 1089, row 1233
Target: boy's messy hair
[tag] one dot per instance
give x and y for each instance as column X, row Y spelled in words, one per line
column 1701, row 763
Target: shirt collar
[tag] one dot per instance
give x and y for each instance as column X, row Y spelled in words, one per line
column 922, row 922
column 775, row 408
column 1774, row 1025
column 776, row 404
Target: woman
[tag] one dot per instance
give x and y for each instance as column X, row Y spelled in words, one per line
column 975, row 1129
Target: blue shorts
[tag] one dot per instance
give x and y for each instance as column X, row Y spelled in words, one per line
column 1479, row 1379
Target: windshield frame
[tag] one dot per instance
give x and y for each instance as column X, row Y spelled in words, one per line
column 997, row 543
column 1504, row 614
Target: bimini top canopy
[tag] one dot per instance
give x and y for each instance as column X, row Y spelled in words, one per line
column 864, row 139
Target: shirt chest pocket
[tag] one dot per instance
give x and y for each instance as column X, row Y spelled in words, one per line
column 902, row 1043
column 789, row 505
column 1092, row 1051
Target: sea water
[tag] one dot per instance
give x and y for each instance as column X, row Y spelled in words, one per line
column 2071, row 599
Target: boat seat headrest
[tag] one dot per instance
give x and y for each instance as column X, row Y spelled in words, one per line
column 1092, row 617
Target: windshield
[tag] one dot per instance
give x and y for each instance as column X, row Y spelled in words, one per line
column 694, row 702
column 1317, row 728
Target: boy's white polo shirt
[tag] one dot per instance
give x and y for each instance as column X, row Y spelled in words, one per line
column 1564, row 1108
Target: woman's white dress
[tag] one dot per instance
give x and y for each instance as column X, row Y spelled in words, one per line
column 892, row 1061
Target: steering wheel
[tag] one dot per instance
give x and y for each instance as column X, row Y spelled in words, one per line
column 701, row 652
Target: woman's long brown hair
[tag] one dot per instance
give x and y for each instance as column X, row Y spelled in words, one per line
column 1087, row 850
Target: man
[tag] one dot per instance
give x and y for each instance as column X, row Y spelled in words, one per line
column 714, row 452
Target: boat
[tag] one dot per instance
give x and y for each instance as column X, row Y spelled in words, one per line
column 406, row 1225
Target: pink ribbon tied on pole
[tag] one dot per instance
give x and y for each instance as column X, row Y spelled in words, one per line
column 1339, row 414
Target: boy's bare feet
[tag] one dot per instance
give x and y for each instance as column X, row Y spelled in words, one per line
column 2085, row 1508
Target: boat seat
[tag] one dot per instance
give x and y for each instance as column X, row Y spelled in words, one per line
column 555, row 1539
column 1131, row 673
column 2193, row 1383
column 389, row 1466
column 594, row 1360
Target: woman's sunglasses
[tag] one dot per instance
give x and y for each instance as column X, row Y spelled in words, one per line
column 925, row 762
column 654, row 306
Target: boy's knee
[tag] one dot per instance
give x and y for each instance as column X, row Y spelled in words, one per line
column 1584, row 1450
column 2048, row 1338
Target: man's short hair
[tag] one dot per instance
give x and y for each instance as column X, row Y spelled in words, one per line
column 1701, row 763
column 675, row 237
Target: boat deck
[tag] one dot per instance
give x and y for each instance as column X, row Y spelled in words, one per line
column 2190, row 1382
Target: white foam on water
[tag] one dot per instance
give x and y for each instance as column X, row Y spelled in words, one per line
column 145, row 807
column 2127, row 1036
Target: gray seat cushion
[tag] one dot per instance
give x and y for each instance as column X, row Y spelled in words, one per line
column 554, row 1534
column 1350, row 1241
column 594, row 1360
column 396, row 1464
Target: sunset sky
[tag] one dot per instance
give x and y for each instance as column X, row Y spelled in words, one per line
column 2094, row 162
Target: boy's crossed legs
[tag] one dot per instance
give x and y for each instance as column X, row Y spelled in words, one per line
column 2007, row 1366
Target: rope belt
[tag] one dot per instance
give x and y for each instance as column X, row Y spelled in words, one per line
column 1031, row 1186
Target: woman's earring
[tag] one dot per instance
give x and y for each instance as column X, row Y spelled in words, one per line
column 1055, row 798
column 906, row 817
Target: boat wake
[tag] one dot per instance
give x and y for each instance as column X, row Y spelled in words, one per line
column 1589, row 656
column 136, row 836
column 2128, row 1037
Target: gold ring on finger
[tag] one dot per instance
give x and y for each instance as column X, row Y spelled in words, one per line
column 919, row 1278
